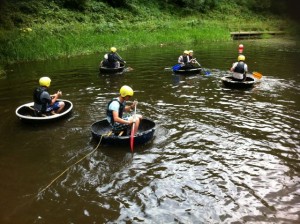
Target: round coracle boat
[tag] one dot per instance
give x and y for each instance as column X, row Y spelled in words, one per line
column 229, row 82
column 102, row 130
column 26, row 112
column 188, row 71
column 108, row 70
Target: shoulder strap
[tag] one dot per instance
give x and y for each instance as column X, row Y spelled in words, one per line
column 109, row 112
column 37, row 95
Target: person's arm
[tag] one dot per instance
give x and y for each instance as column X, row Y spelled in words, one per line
column 192, row 60
column 246, row 68
column 118, row 119
column 46, row 98
column 128, row 108
column 233, row 66
column 118, row 58
column 180, row 60
column 55, row 96
column 131, row 107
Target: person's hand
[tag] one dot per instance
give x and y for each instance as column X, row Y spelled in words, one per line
column 132, row 120
column 59, row 93
column 134, row 103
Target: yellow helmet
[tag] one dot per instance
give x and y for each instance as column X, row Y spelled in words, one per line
column 186, row 52
column 45, row 81
column 113, row 49
column 241, row 58
column 126, row 91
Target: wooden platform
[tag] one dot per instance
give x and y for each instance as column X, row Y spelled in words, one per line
column 253, row 34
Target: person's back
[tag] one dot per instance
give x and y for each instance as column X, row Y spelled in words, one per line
column 239, row 69
column 41, row 99
column 114, row 59
column 111, row 60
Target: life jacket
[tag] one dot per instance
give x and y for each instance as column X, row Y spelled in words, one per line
column 185, row 59
column 105, row 63
column 37, row 97
column 109, row 112
column 111, row 58
column 240, row 68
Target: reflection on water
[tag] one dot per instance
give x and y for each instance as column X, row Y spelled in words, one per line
column 219, row 155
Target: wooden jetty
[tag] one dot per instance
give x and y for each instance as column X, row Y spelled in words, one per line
column 253, row 34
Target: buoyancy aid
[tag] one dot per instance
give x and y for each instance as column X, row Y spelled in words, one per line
column 185, row 59
column 109, row 112
column 111, row 57
column 240, row 68
column 37, row 97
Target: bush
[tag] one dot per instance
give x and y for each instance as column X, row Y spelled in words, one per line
column 79, row 5
column 117, row 3
column 198, row 5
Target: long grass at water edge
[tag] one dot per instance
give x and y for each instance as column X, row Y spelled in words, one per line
column 41, row 45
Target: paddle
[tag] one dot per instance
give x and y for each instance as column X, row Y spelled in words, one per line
column 205, row 71
column 132, row 130
column 120, row 58
column 196, row 62
column 176, row 67
column 257, row 75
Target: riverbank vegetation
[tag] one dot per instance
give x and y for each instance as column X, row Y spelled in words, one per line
column 41, row 29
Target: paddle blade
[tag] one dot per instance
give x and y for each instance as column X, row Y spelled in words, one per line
column 257, row 75
column 176, row 67
column 132, row 137
column 207, row 73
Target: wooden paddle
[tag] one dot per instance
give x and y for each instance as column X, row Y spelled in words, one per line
column 132, row 130
column 257, row 75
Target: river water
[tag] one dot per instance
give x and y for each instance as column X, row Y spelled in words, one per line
column 218, row 155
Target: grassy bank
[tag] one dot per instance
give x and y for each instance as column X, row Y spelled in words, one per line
column 41, row 44
column 65, row 33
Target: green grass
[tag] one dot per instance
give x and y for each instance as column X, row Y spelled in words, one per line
column 42, row 43
column 65, row 34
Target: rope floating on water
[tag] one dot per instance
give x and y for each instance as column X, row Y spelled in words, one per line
column 62, row 173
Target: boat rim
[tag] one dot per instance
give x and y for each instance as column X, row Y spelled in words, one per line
column 30, row 104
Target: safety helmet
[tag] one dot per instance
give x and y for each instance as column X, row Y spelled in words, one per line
column 186, row 52
column 241, row 58
column 191, row 51
column 126, row 91
column 113, row 49
column 45, row 81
